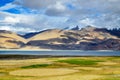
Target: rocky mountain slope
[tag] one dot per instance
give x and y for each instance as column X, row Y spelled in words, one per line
column 10, row 40
column 89, row 38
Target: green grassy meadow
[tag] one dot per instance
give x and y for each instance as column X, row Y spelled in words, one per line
column 62, row 68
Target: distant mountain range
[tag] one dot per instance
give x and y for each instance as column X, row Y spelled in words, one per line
column 88, row 38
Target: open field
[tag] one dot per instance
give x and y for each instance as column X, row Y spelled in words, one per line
column 60, row 68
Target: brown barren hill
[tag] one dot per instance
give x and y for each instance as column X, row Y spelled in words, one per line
column 10, row 40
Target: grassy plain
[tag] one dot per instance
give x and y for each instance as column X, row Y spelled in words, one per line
column 61, row 68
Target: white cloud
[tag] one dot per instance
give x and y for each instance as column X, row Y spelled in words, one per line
column 20, row 30
column 5, row 28
column 59, row 6
column 29, row 22
column 62, row 13
column 87, row 21
column 17, row 22
column 7, row 6
column 11, row 20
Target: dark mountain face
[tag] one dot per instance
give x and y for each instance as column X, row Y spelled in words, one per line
column 75, row 28
column 4, row 31
column 29, row 35
column 115, row 32
column 109, row 44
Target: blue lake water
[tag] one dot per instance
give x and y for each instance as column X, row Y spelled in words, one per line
column 61, row 53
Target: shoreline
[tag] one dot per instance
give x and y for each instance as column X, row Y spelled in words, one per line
column 51, row 50
column 23, row 57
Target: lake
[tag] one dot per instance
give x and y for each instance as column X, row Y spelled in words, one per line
column 60, row 52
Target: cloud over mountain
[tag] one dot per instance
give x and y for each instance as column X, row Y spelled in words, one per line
column 38, row 14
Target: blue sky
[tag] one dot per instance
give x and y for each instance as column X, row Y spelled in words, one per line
column 4, row 2
column 35, row 15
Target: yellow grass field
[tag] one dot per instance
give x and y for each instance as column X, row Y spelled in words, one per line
column 62, row 68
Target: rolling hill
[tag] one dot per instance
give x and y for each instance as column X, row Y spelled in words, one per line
column 10, row 40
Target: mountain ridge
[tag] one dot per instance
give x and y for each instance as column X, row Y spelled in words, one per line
column 89, row 38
